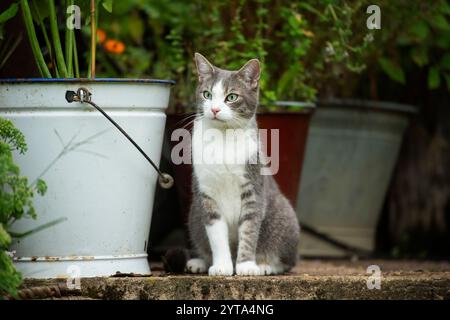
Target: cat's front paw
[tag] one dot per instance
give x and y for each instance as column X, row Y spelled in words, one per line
column 196, row 266
column 248, row 268
column 225, row 269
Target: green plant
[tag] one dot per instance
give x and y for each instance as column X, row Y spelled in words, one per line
column 302, row 45
column 7, row 46
column 416, row 36
column 341, row 43
column 308, row 48
column 16, row 200
column 53, row 58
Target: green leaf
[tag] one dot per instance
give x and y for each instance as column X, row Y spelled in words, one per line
column 286, row 79
column 420, row 29
column 9, row 13
column 136, row 28
column 9, row 133
column 445, row 61
column 41, row 187
column 312, row 9
column 420, row 56
column 108, row 4
column 5, row 238
column 10, row 278
column 434, row 80
column 16, row 197
column 85, row 8
column 393, row 70
column 445, row 8
column 40, row 8
column 440, row 22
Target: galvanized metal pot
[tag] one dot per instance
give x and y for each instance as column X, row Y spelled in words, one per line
column 96, row 179
column 350, row 155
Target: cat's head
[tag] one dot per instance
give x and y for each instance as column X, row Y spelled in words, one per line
column 227, row 97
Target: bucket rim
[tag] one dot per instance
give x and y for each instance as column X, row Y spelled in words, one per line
column 367, row 104
column 84, row 80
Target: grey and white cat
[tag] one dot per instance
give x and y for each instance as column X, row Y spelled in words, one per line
column 239, row 221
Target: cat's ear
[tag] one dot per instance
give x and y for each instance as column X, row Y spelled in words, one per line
column 204, row 68
column 251, row 72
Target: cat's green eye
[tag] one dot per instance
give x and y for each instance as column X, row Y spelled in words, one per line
column 207, row 95
column 231, row 97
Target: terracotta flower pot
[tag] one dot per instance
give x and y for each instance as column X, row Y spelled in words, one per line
column 293, row 131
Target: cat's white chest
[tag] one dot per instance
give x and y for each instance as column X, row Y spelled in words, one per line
column 221, row 178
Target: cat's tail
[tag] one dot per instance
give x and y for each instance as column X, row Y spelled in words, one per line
column 175, row 260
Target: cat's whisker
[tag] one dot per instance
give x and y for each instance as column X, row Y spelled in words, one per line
column 187, row 125
column 198, row 117
column 185, row 119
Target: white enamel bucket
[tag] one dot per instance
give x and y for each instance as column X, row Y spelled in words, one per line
column 97, row 181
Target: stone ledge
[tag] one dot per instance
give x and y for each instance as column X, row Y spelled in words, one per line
column 309, row 280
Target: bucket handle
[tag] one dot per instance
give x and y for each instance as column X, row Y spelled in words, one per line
column 84, row 96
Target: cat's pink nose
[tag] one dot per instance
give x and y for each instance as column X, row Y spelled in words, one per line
column 215, row 110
